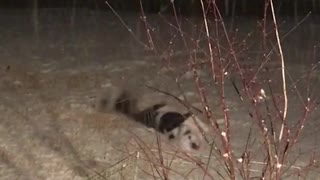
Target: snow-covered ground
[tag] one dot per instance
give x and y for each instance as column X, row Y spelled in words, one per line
column 50, row 82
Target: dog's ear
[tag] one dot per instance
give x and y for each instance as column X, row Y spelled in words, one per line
column 158, row 106
column 187, row 115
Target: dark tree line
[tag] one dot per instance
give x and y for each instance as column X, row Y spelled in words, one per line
column 183, row 7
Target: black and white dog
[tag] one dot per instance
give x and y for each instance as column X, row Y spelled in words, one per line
column 182, row 128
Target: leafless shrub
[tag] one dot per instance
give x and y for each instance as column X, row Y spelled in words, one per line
column 269, row 152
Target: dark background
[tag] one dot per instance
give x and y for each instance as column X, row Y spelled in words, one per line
column 184, row 7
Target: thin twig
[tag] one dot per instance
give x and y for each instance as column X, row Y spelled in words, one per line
column 284, row 86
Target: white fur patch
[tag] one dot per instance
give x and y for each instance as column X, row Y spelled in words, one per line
column 189, row 136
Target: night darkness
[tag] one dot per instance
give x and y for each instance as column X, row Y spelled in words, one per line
column 238, row 7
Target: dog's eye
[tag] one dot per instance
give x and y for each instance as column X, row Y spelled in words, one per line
column 187, row 132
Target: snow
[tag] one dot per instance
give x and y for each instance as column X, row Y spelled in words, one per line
column 49, row 127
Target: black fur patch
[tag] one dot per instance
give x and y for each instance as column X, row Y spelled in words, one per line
column 170, row 121
column 158, row 106
column 171, row 136
column 195, row 146
column 148, row 116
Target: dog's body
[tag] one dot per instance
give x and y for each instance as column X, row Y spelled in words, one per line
column 162, row 118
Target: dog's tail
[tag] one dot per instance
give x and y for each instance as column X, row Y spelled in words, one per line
column 119, row 100
column 126, row 104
